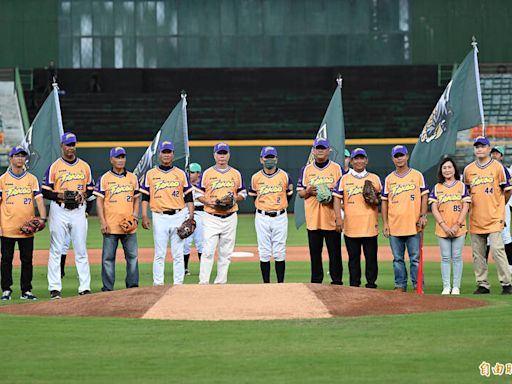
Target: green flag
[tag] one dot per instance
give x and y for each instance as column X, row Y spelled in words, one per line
column 459, row 108
column 333, row 129
column 174, row 129
column 43, row 137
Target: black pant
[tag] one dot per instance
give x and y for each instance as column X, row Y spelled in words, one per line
column 26, row 246
column 370, row 246
column 333, row 242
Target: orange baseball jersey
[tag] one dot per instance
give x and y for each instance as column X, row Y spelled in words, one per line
column 17, row 194
column 271, row 191
column 118, row 192
column 403, row 193
column 166, row 188
column 319, row 216
column 216, row 183
column 63, row 175
column 487, row 184
column 449, row 199
column 361, row 220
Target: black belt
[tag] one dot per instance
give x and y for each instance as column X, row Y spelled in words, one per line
column 199, row 208
column 171, row 211
column 223, row 216
column 271, row 214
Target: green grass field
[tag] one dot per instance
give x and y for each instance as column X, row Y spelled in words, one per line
column 246, row 235
column 419, row 348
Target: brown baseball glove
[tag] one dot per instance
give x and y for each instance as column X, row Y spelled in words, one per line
column 370, row 195
column 35, row 224
column 187, row 228
column 226, row 202
column 129, row 223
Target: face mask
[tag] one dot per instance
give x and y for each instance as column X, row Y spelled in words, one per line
column 270, row 163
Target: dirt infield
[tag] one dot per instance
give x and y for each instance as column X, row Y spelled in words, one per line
column 242, row 302
column 430, row 253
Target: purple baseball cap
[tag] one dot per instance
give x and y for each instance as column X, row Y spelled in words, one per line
column 117, row 151
column 399, row 149
column 221, row 147
column 358, row 152
column 482, row 140
column 17, row 149
column 267, row 151
column 166, row 145
column 319, row 142
column 68, row 138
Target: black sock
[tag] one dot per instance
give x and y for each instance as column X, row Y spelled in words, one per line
column 508, row 251
column 265, row 271
column 62, row 264
column 280, row 267
column 186, row 257
column 199, row 255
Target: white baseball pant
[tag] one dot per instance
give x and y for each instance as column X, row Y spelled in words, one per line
column 271, row 233
column 219, row 233
column 165, row 229
column 197, row 236
column 66, row 223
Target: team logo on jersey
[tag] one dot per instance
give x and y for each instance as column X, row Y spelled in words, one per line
column 355, row 190
column 479, row 180
column 448, row 197
column 266, row 189
column 218, row 184
column 16, row 191
column 118, row 188
column 164, row 184
column 69, row 176
column 400, row 188
column 317, row 180
column 437, row 124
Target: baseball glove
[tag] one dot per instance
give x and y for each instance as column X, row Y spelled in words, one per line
column 35, row 224
column 370, row 195
column 129, row 223
column 225, row 202
column 187, row 228
column 323, row 194
column 71, row 199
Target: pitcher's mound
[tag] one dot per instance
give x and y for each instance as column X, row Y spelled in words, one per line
column 243, row 302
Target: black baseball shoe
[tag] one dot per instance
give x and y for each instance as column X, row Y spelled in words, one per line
column 506, row 290
column 481, row 291
column 55, row 295
column 27, row 295
column 6, row 295
column 85, row 292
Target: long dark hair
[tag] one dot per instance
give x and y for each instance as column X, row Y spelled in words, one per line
column 440, row 177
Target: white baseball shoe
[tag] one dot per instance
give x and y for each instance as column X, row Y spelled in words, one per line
column 455, row 291
column 446, row 291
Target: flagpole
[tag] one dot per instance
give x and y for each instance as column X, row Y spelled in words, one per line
column 57, row 107
column 339, row 80
column 478, row 88
column 185, row 126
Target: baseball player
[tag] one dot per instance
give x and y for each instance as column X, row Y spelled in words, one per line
column 489, row 184
column 272, row 188
column 167, row 191
column 323, row 220
column 197, row 236
column 68, row 173
column 219, row 226
column 18, row 191
column 404, row 214
column 361, row 225
column 118, row 197
column 498, row 153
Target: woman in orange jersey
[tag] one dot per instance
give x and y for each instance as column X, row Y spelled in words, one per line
column 450, row 204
